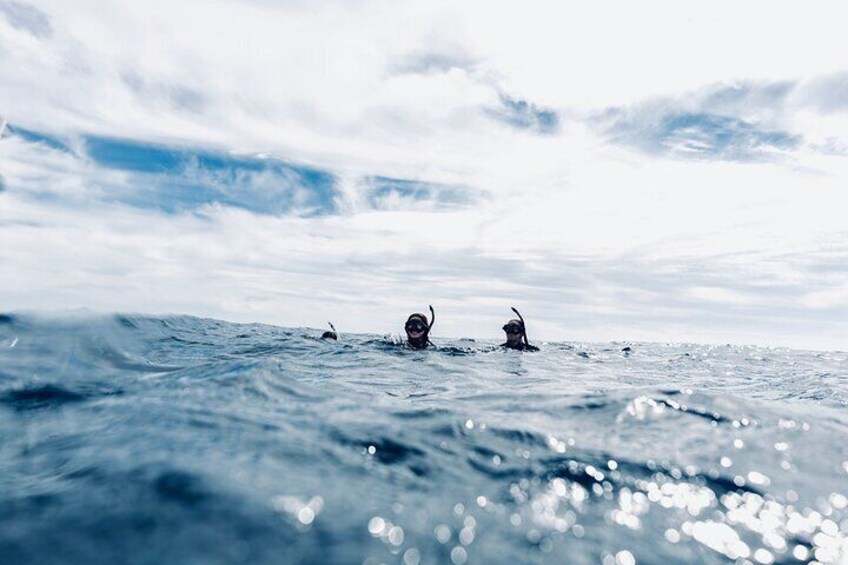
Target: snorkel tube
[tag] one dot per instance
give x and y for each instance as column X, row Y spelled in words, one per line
column 430, row 324
column 523, row 326
column 334, row 329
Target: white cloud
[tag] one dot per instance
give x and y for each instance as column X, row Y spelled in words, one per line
column 598, row 241
column 721, row 296
column 831, row 298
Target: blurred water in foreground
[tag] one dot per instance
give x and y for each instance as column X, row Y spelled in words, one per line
column 182, row 440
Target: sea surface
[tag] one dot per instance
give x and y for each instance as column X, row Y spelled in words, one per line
column 129, row 439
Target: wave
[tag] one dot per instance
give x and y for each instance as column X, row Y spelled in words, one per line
column 181, row 439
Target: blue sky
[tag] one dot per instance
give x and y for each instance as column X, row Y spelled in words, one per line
column 617, row 172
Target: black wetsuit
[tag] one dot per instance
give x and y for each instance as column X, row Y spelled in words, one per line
column 520, row 347
column 422, row 343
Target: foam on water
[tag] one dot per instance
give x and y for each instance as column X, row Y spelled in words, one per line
column 182, row 440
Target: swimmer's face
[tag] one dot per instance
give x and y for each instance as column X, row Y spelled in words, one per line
column 415, row 328
column 513, row 331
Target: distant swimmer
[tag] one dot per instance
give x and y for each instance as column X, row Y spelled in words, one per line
column 418, row 329
column 330, row 334
column 516, row 335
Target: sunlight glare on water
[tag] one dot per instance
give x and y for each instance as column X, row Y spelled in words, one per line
column 189, row 440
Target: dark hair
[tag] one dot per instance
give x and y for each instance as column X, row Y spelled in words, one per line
column 419, row 316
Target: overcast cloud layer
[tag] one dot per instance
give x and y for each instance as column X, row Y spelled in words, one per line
column 617, row 171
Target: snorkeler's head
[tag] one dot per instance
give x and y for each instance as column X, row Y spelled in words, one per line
column 330, row 334
column 514, row 327
column 416, row 326
column 514, row 330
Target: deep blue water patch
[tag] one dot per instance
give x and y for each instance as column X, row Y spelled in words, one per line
column 43, row 396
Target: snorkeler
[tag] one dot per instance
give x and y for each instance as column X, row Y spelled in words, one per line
column 418, row 329
column 330, row 334
column 516, row 335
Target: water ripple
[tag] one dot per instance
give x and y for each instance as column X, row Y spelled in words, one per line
column 178, row 439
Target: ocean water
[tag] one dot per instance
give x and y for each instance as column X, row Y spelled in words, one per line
column 181, row 440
